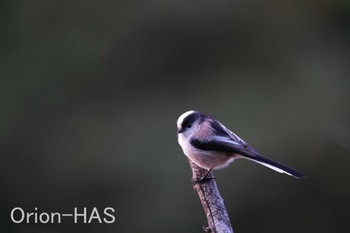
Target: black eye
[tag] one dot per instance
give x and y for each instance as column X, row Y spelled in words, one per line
column 188, row 126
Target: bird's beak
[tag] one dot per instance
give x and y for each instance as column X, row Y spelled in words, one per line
column 180, row 130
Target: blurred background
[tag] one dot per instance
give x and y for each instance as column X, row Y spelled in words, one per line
column 91, row 91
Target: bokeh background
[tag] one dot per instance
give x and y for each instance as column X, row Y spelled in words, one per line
column 91, row 91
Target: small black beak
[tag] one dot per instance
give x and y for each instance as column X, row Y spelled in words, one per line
column 179, row 130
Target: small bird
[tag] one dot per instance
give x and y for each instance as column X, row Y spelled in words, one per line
column 210, row 145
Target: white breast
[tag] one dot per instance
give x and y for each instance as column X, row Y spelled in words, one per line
column 205, row 158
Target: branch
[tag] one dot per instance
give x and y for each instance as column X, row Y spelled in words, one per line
column 213, row 204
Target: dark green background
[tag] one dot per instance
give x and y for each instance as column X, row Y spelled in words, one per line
column 91, row 91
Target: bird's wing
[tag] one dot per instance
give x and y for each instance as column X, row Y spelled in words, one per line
column 218, row 143
column 223, row 132
column 227, row 144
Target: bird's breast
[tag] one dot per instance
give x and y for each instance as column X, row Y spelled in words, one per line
column 207, row 159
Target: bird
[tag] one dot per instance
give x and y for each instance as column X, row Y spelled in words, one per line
column 210, row 145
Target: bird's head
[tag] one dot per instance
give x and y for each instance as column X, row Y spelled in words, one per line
column 189, row 123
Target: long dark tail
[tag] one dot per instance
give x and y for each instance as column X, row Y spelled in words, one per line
column 274, row 165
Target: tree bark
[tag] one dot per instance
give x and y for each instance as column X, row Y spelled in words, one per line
column 213, row 204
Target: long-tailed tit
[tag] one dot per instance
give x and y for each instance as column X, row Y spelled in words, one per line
column 210, row 145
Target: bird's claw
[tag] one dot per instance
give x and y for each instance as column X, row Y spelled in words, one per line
column 202, row 180
column 207, row 229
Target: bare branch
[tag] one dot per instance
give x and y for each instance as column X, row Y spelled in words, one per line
column 213, row 204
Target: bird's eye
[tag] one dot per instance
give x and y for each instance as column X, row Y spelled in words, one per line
column 188, row 126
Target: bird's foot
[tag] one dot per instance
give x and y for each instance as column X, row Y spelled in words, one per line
column 207, row 229
column 202, row 180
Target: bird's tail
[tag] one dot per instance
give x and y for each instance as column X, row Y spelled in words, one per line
column 274, row 165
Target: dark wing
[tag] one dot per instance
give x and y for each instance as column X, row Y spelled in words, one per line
column 226, row 141
column 222, row 131
column 223, row 144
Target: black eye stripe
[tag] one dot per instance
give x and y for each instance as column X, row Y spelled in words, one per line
column 188, row 121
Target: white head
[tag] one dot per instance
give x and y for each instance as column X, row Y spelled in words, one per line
column 189, row 123
column 182, row 117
